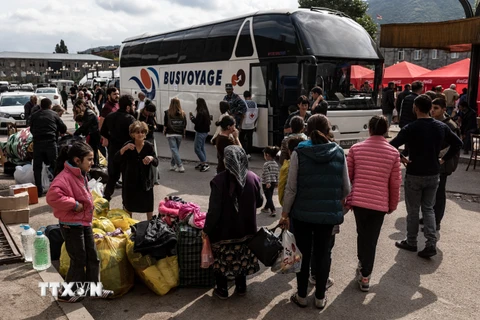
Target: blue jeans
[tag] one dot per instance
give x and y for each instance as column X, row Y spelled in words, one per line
column 389, row 116
column 174, row 143
column 199, row 145
column 420, row 192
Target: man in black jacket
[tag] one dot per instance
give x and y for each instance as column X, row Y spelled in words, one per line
column 425, row 138
column 468, row 126
column 115, row 128
column 27, row 108
column 406, row 110
column 45, row 125
column 388, row 101
column 89, row 127
column 407, row 90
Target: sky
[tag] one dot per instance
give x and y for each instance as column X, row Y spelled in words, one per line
column 36, row 26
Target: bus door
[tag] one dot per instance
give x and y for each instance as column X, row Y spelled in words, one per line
column 278, row 87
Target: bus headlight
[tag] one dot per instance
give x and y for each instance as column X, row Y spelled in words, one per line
column 334, row 128
column 365, row 127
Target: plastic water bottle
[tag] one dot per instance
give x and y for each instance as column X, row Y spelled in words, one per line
column 41, row 256
column 28, row 237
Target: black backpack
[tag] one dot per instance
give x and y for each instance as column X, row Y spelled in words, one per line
column 177, row 123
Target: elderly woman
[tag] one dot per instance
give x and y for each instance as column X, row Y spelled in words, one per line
column 316, row 186
column 231, row 221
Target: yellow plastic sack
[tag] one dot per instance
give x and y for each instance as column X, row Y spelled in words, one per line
column 101, row 159
column 101, row 207
column 116, row 273
column 117, row 213
column 137, row 260
column 162, row 276
column 159, row 275
column 123, row 222
column 103, row 223
column 99, row 231
column 64, row 261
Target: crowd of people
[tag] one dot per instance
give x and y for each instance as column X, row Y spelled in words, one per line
column 317, row 183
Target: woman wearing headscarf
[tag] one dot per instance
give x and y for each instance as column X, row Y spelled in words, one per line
column 317, row 185
column 231, row 221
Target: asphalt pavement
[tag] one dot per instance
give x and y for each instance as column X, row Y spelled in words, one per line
column 403, row 286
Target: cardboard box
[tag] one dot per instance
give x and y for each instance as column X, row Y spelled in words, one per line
column 28, row 187
column 15, row 216
column 16, row 202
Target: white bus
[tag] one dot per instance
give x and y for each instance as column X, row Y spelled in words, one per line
column 276, row 55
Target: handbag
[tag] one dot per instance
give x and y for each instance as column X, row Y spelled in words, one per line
column 266, row 246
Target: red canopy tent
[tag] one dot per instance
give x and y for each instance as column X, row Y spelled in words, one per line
column 403, row 73
column 359, row 74
column 455, row 73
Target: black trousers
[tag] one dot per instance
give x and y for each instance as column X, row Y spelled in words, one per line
column 246, row 138
column 369, row 223
column 320, row 236
column 441, row 199
column 269, row 196
column 43, row 152
column 94, row 142
column 222, row 282
column 113, row 174
column 84, row 263
column 65, row 103
column 313, row 262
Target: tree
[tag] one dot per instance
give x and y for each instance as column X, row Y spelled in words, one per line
column 107, row 54
column 61, row 48
column 355, row 9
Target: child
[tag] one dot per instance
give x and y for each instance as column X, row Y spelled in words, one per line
column 292, row 143
column 269, row 178
column 137, row 159
column 72, row 204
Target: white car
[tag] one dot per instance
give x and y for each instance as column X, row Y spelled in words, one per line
column 11, row 108
column 50, row 93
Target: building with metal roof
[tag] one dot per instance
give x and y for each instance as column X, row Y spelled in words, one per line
column 37, row 67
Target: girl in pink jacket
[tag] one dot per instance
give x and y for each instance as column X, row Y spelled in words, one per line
column 375, row 175
column 72, row 204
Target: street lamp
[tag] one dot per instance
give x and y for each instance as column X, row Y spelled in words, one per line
column 85, row 67
column 112, row 67
column 48, row 71
column 96, row 66
column 63, row 69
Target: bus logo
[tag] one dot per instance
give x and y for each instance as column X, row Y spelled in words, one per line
column 147, row 80
column 239, row 78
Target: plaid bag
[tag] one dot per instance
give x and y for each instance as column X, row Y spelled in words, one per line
column 189, row 250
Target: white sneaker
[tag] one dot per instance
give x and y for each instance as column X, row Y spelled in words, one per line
column 180, row 169
column 248, row 156
column 173, row 168
column 321, row 303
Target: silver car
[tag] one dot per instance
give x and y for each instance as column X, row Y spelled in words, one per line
column 11, row 108
column 50, row 93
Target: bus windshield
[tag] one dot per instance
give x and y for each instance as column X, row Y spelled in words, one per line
column 346, row 85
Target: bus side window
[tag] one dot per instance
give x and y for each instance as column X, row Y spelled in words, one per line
column 193, row 45
column 275, row 36
column 151, row 51
column 221, row 40
column 244, row 45
column 170, row 48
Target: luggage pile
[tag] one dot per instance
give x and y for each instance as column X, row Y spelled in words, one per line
column 164, row 252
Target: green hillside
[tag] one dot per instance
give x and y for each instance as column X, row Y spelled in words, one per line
column 406, row 11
